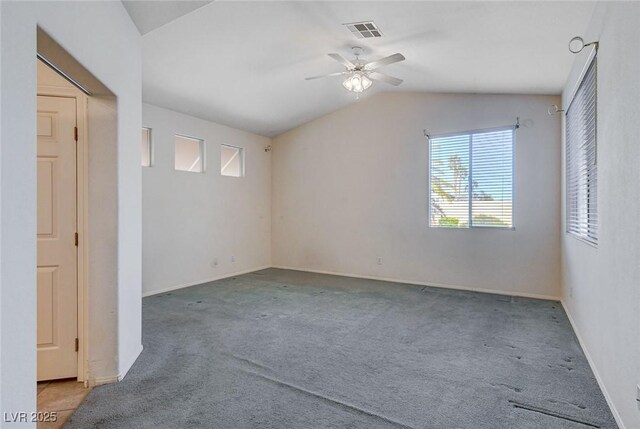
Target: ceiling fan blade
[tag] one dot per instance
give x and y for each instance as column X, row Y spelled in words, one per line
column 384, row 61
column 385, row 78
column 325, row 75
column 342, row 60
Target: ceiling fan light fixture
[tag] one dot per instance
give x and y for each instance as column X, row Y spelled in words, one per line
column 366, row 82
column 361, row 74
column 347, row 84
column 357, row 82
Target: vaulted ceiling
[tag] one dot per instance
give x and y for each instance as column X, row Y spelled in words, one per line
column 243, row 64
column 151, row 14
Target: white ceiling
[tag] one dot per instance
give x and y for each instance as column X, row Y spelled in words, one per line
column 243, row 64
column 151, row 14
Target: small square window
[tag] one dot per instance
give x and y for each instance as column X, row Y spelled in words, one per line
column 231, row 161
column 189, row 154
column 146, row 147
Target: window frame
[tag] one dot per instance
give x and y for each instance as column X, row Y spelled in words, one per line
column 471, row 226
column 241, row 155
column 150, row 147
column 592, row 59
column 202, row 152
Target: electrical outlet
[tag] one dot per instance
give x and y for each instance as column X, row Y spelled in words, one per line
column 233, row 259
column 214, row 263
column 379, row 260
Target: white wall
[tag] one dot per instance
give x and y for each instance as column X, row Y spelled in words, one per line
column 353, row 186
column 601, row 286
column 103, row 239
column 191, row 219
column 102, row 37
column 1, row 200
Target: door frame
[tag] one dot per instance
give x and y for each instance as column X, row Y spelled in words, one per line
column 82, row 215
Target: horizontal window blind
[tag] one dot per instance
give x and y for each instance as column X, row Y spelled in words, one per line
column 450, row 181
column 492, row 178
column 471, row 179
column 581, row 160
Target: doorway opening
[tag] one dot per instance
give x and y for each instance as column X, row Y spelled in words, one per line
column 76, row 293
column 60, row 125
column 61, row 175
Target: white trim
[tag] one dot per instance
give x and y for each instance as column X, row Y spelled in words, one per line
column 430, row 284
column 580, row 238
column 149, row 146
column 82, row 162
column 199, row 282
column 110, row 379
column 99, row 381
column 592, row 364
column 585, row 67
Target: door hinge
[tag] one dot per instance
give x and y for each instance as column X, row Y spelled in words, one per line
column 76, row 239
column 75, row 133
column 77, row 344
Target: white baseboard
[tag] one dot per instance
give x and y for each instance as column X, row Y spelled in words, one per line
column 431, row 284
column 108, row 379
column 99, row 381
column 603, row 388
column 199, row 282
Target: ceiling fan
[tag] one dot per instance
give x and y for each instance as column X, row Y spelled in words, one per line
column 361, row 74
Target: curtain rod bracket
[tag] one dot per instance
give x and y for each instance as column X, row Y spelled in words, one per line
column 426, row 135
column 577, row 44
column 517, row 122
column 553, row 109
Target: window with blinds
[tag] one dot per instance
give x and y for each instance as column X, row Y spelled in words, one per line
column 581, row 158
column 471, row 179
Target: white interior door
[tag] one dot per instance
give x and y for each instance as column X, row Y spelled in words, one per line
column 57, row 252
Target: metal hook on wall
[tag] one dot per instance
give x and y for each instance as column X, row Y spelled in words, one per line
column 267, row 148
column 576, row 45
column 553, row 109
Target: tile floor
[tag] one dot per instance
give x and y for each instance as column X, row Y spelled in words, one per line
column 61, row 396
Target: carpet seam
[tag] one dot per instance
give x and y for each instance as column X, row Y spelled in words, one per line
column 328, row 399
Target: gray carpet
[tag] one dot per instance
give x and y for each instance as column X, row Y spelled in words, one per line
column 287, row 349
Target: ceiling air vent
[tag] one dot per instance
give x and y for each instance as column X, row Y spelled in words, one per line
column 364, row 30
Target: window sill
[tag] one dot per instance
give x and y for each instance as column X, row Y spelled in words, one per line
column 581, row 239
